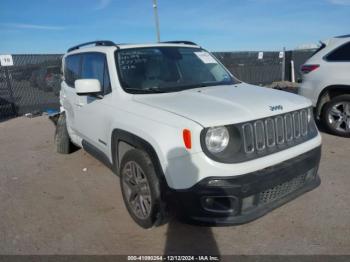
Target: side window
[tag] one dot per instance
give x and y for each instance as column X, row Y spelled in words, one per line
column 340, row 54
column 94, row 66
column 72, row 69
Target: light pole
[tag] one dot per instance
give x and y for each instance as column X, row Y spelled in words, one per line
column 284, row 64
column 155, row 8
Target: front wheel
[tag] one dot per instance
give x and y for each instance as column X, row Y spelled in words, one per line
column 141, row 189
column 336, row 116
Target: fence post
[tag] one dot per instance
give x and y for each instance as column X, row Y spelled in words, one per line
column 292, row 71
column 9, row 87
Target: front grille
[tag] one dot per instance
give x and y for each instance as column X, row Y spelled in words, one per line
column 281, row 190
column 275, row 131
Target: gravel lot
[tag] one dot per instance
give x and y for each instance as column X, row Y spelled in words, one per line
column 49, row 205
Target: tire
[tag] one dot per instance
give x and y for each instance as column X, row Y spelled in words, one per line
column 336, row 116
column 141, row 189
column 62, row 140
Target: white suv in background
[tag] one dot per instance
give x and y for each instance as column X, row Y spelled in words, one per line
column 184, row 135
column 326, row 81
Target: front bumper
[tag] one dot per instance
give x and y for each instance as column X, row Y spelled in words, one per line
column 241, row 199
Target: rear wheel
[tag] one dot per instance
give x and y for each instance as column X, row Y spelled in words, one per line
column 62, row 140
column 141, row 189
column 336, row 116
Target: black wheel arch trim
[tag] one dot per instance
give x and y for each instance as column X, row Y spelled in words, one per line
column 327, row 94
column 119, row 135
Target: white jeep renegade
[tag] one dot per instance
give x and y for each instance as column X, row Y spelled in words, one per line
column 184, row 135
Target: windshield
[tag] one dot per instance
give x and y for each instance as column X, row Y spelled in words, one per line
column 169, row 69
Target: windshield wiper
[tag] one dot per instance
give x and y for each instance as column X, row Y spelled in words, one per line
column 214, row 83
column 200, row 85
column 148, row 90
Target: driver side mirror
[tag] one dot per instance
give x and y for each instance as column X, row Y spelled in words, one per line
column 87, row 86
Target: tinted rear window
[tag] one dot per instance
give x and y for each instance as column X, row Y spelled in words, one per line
column 340, row 54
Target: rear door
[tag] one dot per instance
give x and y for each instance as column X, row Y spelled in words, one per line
column 72, row 71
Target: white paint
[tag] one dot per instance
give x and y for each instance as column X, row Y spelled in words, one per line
column 223, row 105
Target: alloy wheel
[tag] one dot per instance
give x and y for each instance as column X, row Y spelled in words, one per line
column 137, row 190
column 339, row 117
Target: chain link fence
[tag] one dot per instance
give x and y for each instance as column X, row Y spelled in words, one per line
column 266, row 69
column 247, row 66
column 32, row 84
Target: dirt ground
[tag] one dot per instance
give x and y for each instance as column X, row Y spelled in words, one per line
column 51, row 204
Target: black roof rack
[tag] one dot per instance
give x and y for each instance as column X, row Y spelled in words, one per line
column 180, row 42
column 96, row 43
column 343, row 36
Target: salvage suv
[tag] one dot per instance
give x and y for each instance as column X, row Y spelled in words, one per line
column 184, row 135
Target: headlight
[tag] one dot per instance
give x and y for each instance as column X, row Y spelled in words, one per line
column 217, row 139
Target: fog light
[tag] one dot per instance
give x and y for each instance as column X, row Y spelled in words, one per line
column 311, row 174
column 247, row 203
column 220, row 204
column 209, row 201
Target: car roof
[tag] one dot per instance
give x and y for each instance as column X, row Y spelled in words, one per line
column 336, row 41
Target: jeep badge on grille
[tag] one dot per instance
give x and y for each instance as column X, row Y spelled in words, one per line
column 275, row 108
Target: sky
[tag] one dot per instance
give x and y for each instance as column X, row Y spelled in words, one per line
column 52, row 26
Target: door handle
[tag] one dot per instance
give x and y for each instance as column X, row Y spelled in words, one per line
column 79, row 104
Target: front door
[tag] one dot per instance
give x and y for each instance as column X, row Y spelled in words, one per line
column 92, row 110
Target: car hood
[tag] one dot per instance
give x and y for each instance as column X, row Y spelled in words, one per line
column 223, row 105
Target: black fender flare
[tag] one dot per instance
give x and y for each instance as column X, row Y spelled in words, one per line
column 119, row 135
column 327, row 94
